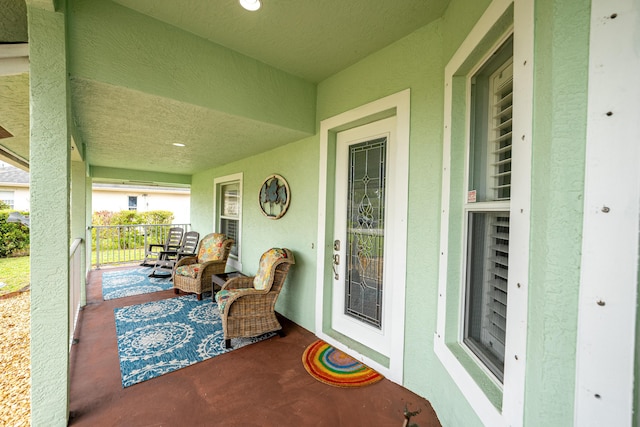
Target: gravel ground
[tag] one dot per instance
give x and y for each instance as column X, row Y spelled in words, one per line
column 15, row 358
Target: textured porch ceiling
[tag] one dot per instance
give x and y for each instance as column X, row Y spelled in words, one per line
column 14, row 89
column 312, row 39
column 131, row 124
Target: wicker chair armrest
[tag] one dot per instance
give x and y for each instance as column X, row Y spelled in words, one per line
column 241, row 282
column 186, row 261
column 250, row 301
column 214, row 267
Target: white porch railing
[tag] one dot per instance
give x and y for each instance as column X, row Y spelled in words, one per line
column 75, row 281
column 121, row 244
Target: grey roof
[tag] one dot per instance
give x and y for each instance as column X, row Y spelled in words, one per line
column 11, row 174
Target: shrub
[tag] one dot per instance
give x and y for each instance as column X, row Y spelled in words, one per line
column 156, row 217
column 14, row 236
column 128, row 235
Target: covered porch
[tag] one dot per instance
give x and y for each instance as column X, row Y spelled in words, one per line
column 260, row 384
column 542, row 194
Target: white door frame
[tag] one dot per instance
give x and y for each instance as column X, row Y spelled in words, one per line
column 397, row 105
column 378, row 339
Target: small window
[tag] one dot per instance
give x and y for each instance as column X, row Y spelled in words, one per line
column 487, row 210
column 133, row 203
column 7, row 197
column 228, row 214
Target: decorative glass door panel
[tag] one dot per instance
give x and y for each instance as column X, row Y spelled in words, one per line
column 361, row 293
column 365, row 231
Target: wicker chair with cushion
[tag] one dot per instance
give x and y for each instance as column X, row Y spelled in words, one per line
column 247, row 304
column 193, row 274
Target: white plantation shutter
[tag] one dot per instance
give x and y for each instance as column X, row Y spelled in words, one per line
column 500, row 141
column 497, row 269
column 230, row 214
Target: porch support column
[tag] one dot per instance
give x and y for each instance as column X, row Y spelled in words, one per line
column 88, row 197
column 50, row 217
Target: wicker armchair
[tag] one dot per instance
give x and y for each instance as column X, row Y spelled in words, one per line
column 247, row 304
column 193, row 274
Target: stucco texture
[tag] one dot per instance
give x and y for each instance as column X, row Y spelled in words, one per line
column 560, row 115
column 50, row 218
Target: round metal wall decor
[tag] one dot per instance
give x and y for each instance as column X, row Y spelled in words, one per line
column 274, row 197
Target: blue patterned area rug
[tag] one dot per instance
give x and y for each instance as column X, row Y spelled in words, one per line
column 136, row 281
column 159, row 337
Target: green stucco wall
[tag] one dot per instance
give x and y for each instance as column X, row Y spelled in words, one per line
column 50, row 218
column 560, row 117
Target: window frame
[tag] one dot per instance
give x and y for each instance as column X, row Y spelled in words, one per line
column 488, row 204
column 233, row 261
column 495, row 405
column 12, row 201
column 129, row 205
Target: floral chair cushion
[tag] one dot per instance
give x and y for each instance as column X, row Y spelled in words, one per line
column 190, row 270
column 264, row 277
column 211, row 248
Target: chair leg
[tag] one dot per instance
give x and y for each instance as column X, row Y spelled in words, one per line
column 281, row 333
column 227, row 343
column 176, row 291
column 199, row 297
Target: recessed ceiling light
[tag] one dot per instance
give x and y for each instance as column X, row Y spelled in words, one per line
column 178, row 144
column 251, row 5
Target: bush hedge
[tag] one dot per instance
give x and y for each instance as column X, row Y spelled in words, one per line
column 127, row 235
column 14, row 236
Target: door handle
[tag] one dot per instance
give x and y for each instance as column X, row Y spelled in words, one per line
column 336, row 262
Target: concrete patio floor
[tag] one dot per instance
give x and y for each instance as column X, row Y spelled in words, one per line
column 263, row 384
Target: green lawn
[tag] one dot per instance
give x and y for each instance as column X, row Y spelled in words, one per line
column 14, row 274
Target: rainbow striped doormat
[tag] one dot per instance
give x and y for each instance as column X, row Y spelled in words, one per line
column 331, row 366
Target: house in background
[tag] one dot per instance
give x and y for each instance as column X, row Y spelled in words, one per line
column 14, row 190
column 14, row 187
column 114, row 198
column 464, row 206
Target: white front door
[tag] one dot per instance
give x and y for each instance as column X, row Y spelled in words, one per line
column 362, row 279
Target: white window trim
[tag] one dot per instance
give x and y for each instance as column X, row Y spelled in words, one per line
column 512, row 412
column 217, row 182
column 608, row 294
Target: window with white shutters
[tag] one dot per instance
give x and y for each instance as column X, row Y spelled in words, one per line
column 228, row 214
column 487, row 210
